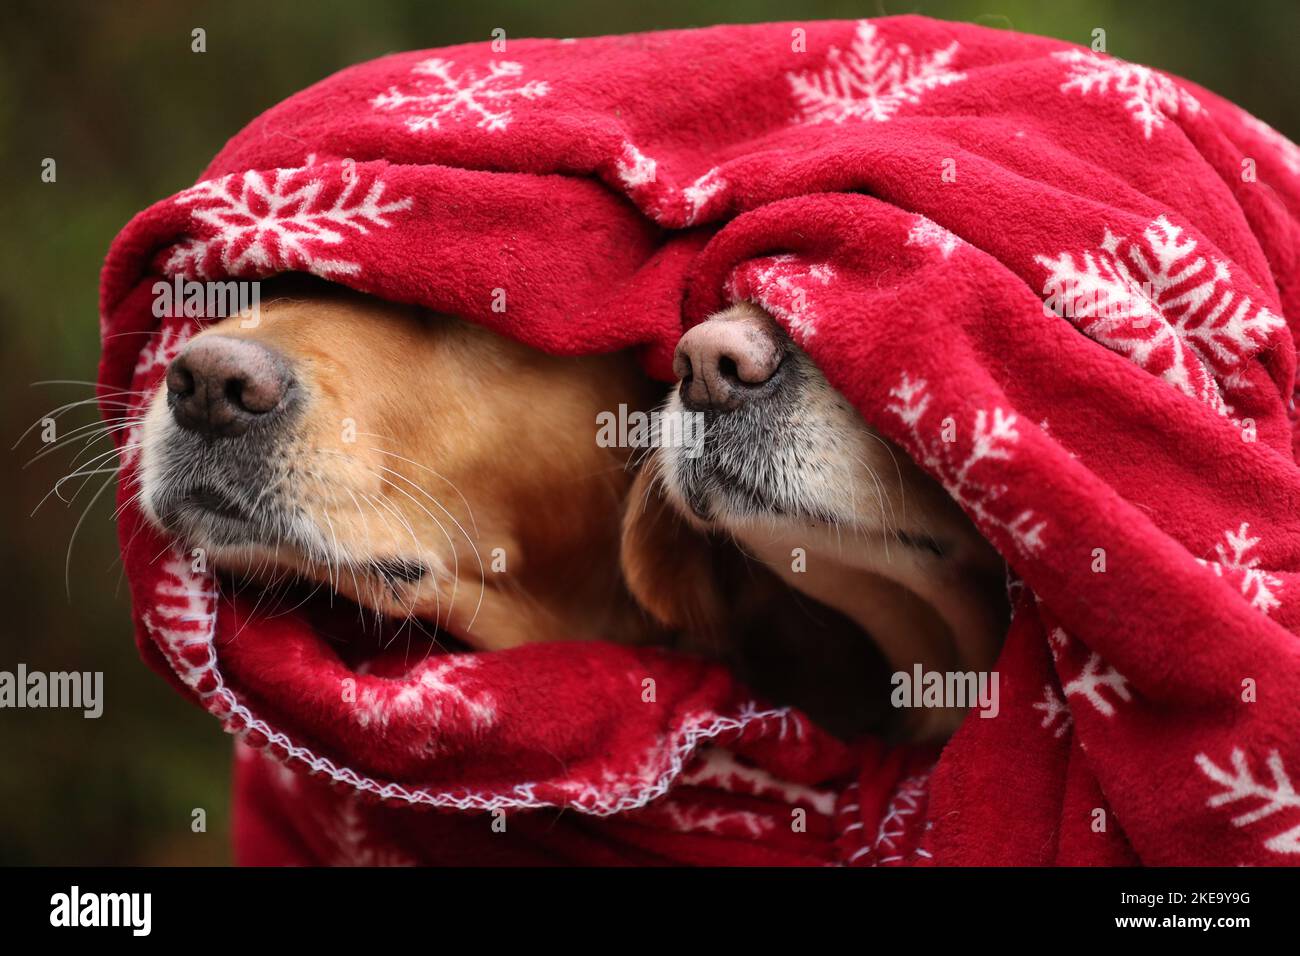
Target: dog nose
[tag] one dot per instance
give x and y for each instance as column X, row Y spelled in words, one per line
column 219, row 386
column 724, row 361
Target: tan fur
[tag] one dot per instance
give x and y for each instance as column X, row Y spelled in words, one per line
column 465, row 443
column 943, row 614
column 425, row 437
column 718, row 603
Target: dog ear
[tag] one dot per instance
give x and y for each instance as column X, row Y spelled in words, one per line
column 674, row 568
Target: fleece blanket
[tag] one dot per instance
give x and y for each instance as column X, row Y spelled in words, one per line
column 1059, row 280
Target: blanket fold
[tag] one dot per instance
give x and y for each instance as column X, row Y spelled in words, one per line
column 1065, row 284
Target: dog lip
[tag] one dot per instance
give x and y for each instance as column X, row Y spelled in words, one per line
column 212, row 500
column 203, row 507
column 206, row 528
column 399, row 570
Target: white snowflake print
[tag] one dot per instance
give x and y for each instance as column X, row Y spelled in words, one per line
column 872, row 81
column 260, row 223
column 1087, row 684
column 1259, row 586
column 153, row 360
column 160, row 351
column 634, row 168
column 993, row 435
column 436, row 692
column 698, row 194
column 1091, row 680
column 182, row 613
column 1287, row 151
column 1275, row 796
column 345, row 831
column 1168, row 310
column 719, row 769
column 783, row 285
column 688, row 818
column 928, row 233
column 1054, row 708
column 638, row 174
column 907, row 801
column 1150, row 96
column 438, row 96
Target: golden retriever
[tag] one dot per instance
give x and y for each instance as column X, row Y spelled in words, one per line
column 789, row 472
column 418, row 464
column 427, row 468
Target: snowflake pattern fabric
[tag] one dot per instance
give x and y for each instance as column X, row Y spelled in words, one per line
column 666, row 199
column 872, row 81
column 968, row 467
column 1172, row 311
column 786, row 286
column 929, row 234
column 152, row 363
column 1150, row 97
column 1097, row 684
column 438, row 96
column 1269, row 795
column 621, row 188
column 1258, row 585
column 258, row 224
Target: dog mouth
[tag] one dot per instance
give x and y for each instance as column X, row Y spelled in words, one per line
column 713, row 488
column 236, row 499
column 270, row 560
column 753, row 462
column 209, row 500
column 205, row 514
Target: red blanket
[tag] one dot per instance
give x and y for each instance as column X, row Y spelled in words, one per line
column 1058, row 279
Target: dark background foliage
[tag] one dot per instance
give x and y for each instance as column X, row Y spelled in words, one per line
column 112, row 91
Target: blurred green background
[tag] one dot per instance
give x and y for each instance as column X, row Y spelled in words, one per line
column 113, row 93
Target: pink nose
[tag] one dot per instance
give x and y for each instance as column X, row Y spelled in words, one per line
column 724, row 361
column 219, row 386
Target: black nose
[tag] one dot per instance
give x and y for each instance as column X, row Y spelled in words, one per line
column 219, row 386
column 728, row 359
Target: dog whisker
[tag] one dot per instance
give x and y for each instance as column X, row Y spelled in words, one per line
column 98, row 430
column 411, row 531
column 463, row 500
column 60, row 411
column 67, row 560
column 378, row 567
column 451, row 544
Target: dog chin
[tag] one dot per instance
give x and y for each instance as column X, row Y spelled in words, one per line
column 750, row 468
column 205, row 530
column 716, row 495
column 210, row 517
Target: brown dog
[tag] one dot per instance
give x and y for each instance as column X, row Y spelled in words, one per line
column 427, row 468
column 418, row 464
column 790, row 473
